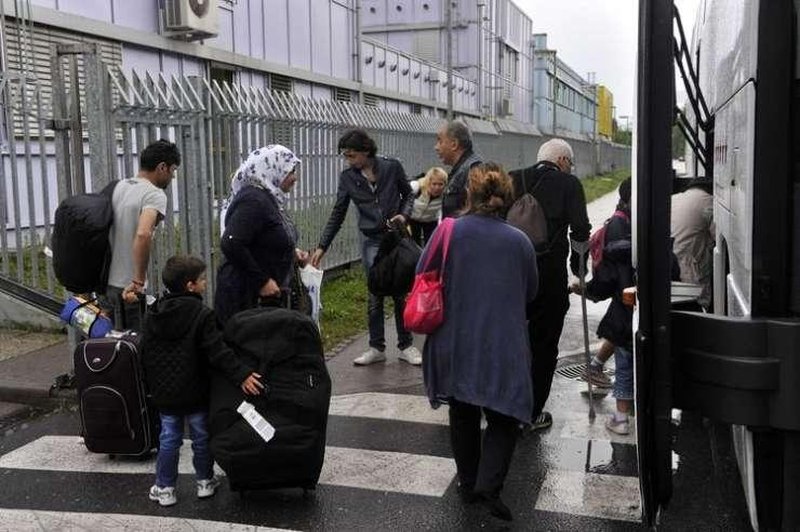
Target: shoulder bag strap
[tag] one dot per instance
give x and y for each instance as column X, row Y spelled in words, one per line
column 441, row 240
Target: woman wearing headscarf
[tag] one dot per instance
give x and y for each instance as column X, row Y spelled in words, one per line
column 478, row 361
column 258, row 237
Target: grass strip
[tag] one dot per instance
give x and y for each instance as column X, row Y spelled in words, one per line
column 600, row 185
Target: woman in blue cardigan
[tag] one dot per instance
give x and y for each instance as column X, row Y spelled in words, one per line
column 479, row 360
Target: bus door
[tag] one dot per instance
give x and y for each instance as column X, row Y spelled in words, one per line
column 740, row 370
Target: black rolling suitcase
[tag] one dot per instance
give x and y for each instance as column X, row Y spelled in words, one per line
column 115, row 416
column 285, row 347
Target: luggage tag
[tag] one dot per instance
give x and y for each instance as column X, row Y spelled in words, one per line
column 262, row 427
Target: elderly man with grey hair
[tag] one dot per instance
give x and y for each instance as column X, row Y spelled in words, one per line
column 561, row 197
column 454, row 148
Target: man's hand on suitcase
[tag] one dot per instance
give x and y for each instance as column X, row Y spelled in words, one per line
column 251, row 385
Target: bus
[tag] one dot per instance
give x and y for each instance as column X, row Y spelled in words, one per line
column 739, row 365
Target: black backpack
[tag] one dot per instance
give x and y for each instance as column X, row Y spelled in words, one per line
column 80, row 243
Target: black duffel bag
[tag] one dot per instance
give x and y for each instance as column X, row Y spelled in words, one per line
column 286, row 349
column 392, row 273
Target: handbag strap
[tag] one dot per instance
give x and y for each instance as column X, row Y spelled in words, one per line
column 441, row 240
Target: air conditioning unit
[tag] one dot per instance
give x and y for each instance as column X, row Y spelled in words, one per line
column 507, row 107
column 191, row 19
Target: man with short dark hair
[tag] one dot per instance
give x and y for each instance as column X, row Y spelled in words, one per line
column 139, row 204
column 561, row 197
column 380, row 191
column 454, row 148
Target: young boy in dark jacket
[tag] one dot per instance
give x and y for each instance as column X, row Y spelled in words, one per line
column 612, row 276
column 181, row 345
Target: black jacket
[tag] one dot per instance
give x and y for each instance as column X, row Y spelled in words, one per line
column 564, row 203
column 455, row 193
column 181, row 345
column 256, row 247
column 392, row 196
column 611, row 277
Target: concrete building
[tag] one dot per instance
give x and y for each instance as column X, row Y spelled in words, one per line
column 565, row 102
column 389, row 54
column 491, row 45
column 309, row 47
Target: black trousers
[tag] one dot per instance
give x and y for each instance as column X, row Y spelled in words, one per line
column 482, row 463
column 545, row 321
column 421, row 231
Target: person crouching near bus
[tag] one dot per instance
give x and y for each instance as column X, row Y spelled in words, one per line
column 427, row 209
column 180, row 345
column 613, row 275
column 478, row 360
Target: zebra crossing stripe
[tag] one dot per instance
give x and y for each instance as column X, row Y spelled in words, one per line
column 590, row 494
column 391, row 406
column 24, row 520
column 355, row 468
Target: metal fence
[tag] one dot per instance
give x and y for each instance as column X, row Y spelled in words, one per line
column 98, row 119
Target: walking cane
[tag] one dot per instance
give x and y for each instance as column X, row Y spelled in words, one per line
column 582, row 280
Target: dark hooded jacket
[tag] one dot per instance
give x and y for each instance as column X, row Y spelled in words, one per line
column 611, row 277
column 180, row 346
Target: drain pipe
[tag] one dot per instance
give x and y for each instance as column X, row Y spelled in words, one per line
column 358, row 54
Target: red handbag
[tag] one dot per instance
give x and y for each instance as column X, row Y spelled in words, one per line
column 424, row 310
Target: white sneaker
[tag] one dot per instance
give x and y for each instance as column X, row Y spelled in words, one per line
column 411, row 355
column 207, row 488
column 371, row 356
column 163, row 496
column 618, row 427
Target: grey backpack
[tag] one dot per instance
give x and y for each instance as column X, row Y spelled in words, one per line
column 527, row 215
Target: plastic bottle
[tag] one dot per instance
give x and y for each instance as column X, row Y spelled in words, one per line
column 256, row 420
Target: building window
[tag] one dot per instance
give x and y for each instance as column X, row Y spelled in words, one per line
column 508, row 66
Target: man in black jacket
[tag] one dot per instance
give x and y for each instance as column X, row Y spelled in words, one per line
column 454, row 148
column 380, row 190
column 561, row 197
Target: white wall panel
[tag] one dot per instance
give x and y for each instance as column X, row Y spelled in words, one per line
column 224, row 40
column 321, row 37
column 373, row 12
column 399, row 11
column 142, row 16
column 341, row 43
column 94, row 9
column 300, row 34
column 380, row 67
column 276, row 31
column 427, row 10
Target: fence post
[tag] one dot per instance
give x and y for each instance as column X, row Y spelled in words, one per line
column 102, row 156
column 60, row 125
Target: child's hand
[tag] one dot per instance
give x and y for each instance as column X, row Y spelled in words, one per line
column 251, row 385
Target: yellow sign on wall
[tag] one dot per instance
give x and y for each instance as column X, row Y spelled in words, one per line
column 605, row 112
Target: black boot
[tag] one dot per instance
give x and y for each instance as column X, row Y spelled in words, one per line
column 497, row 507
column 468, row 496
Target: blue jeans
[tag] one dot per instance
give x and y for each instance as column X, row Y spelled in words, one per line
column 623, row 374
column 369, row 249
column 169, row 446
